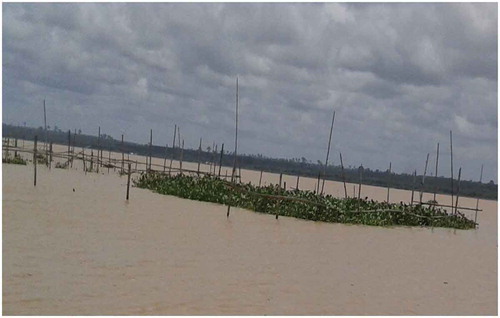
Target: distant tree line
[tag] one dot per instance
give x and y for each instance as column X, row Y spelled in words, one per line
column 295, row 166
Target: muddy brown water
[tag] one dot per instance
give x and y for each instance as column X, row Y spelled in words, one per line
column 90, row 252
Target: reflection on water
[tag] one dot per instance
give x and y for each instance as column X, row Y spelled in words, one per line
column 91, row 252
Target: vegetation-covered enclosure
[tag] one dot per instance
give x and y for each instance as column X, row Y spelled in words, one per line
column 300, row 204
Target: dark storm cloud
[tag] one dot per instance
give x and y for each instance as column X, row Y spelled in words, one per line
column 399, row 76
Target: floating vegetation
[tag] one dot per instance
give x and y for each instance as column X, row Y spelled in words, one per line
column 63, row 165
column 17, row 160
column 301, row 204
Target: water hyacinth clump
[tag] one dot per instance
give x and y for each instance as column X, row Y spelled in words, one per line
column 303, row 204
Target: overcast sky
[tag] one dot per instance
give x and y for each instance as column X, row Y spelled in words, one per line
column 399, row 76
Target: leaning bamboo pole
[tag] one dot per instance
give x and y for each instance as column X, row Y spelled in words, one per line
column 423, row 178
column 327, row 153
column 343, row 175
column 436, row 173
column 477, row 202
column 235, row 144
column 173, row 151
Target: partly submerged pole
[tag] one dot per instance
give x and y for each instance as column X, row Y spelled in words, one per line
column 436, row 173
column 235, row 144
column 343, row 175
column 123, row 155
column 199, row 158
column 34, row 160
column 260, row 179
column 388, row 181
column 423, row 178
column 477, row 202
column 173, row 148
column 165, row 158
column 451, row 156
column 45, row 126
column 150, row 148
column 128, row 180
column 220, row 159
column 458, row 190
column 327, row 153
column 413, row 188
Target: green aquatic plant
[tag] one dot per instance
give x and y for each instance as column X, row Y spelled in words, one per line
column 301, row 204
column 17, row 160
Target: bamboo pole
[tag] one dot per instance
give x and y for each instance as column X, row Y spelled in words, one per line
column 150, row 148
column 83, row 159
column 182, row 154
column 413, row 189
column 173, row 151
column 91, row 160
column 458, row 190
column 451, row 156
column 327, row 153
column 50, row 156
column 297, row 185
column 123, row 155
column 128, row 181
column 69, row 146
column 15, row 145
column 199, row 157
column 34, row 160
column 109, row 159
column 343, row 175
column 73, row 149
column 165, row 159
column 98, row 148
column 360, row 170
column 281, row 178
column 317, row 183
column 235, row 144
column 260, row 179
column 220, row 159
column 388, row 181
column 423, row 178
column 477, row 202
column 7, row 149
column 215, row 158
column 45, row 126
column 436, row 173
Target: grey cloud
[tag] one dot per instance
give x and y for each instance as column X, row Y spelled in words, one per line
column 399, row 75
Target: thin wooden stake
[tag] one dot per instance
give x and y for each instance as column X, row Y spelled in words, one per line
column 109, row 159
column 182, row 154
column 458, row 190
column 435, row 176
column 34, row 160
column 165, row 159
column 360, row 169
column 297, row 185
column 45, row 126
column 260, row 179
column 173, row 151
column 477, row 202
column 128, row 180
column 83, row 159
column 388, row 181
column 235, row 144
column 199, row 158
column 220, row 159
column 50, row 156
column 423, row 179
column 327, row 154
column 69, row 146
column 343, row 176
column 15, row 145
column 281, row 178
column 413, row 189
column 123, row 155
column 317, row 183
column 451, row 156
column 150, row 147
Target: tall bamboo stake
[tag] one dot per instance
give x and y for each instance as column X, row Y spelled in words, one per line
column 436, row 173
column 220, row 159
column 109, row 159
column 235, row 144
column 73, row 149
column 50, row 156
column 199, row 158
column 182, row 154
column 45, row 127
column 423, row 178
column 15, row 145
column 359, row 186
column 388, row 181
column 150, row 148
column 451, row 156
column 413, row 189
column 34, row 160
column 260, row 179
column 343, row 175
column 69, row 146
column 83, row 160
column 165, row 159
column 477, row 202
column 281, row 178
column 458, row 190
column 123, row 155
column 173, row 148
column 128, row 180
column 317, row 182
column 327, row 153
column 98, row 148
column 297, row 185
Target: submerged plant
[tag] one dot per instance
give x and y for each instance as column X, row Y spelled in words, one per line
column 301, row 204
column 17, row 160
